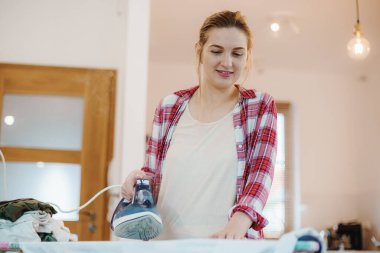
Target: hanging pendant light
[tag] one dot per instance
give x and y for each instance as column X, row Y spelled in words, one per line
column 358, row 47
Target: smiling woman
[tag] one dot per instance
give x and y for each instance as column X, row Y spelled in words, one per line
column 223, row 59
column 225, row 53
column 212, row 150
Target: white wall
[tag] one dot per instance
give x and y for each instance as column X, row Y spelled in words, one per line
column 64, row 33
column 326, row 149
column 367, row 157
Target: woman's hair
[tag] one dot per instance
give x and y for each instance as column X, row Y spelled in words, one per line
column 224, row 19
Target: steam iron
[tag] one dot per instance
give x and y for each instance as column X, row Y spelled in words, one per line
column 139, row 218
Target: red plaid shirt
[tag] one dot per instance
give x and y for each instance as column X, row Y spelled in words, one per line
column 254, row 122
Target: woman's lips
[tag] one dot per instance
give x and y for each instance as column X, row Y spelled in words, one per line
column 224, row 74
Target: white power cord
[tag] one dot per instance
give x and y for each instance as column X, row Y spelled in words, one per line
column 88, row 202
column 5, row 176
column 53, row 204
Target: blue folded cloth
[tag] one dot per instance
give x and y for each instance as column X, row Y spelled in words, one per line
column 305, row 239
column 308, row 243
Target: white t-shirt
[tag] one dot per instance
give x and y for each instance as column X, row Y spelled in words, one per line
column 199, row 178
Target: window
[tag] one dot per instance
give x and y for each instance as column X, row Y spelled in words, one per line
column 278, row 209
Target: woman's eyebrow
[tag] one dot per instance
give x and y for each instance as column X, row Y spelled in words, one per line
column 218, row 46
column 214, row 45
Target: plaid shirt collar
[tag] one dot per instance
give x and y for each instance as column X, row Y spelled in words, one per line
column 244, row 93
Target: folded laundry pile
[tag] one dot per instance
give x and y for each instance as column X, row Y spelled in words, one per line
column 30, row 220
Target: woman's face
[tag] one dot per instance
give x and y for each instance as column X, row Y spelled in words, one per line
column 224, row 57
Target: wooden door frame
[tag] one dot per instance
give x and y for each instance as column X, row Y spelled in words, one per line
column 97, row 87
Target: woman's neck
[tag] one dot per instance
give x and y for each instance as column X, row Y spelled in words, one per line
column 210, row 96
column 209, row 104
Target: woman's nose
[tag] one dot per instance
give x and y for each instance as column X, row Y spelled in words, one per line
column 227, row 60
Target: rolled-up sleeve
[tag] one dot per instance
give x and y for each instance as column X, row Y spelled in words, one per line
column 259, row 169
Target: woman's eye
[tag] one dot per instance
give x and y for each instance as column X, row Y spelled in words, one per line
column 237, row 54
column 216, row 52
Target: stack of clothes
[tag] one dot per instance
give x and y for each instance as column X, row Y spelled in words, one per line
column 30, row 220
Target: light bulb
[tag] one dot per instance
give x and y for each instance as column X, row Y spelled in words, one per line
column 358, row 47
column 275, row 27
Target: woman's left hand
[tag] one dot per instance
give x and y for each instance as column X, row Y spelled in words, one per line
column 235, row 229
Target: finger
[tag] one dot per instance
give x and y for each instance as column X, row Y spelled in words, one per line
column 127, row 187
column 126, row 194
column 229, row 236
column 238, row 237
column 213, row 236
column 129, row 190
column 219, row 235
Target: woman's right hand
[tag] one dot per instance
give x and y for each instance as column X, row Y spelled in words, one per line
column 127, row 189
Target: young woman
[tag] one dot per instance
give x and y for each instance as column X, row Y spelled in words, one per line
column 212, row 151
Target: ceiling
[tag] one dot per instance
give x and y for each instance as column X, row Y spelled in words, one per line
column 325, row 27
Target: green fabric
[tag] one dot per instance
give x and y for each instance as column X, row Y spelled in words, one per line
column 47, row 237
column 14, row 209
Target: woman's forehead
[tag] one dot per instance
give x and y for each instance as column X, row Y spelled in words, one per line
column 227, row 37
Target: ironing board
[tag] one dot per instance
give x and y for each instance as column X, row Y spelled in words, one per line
column 183, row 246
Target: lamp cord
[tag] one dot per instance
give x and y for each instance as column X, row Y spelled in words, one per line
column 357, row 12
